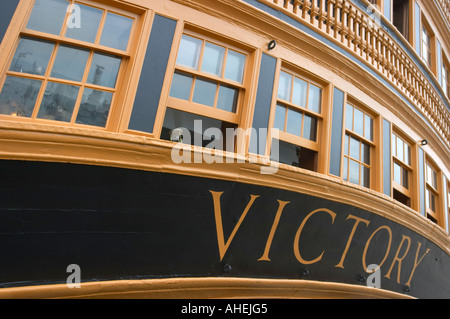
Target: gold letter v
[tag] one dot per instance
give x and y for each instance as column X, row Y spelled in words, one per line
column 218, row 215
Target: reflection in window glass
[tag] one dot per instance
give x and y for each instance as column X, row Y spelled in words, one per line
column 234, row 70
column 116, row 31
column 189, row 52
column 70, row 63
column 48, row 16
column 104, row 70
column 32, row 56
column 94, row 108
column 358, row 122
column 284, row 86
column 368, row 127
column 314, row 98
column 310, row 128
column 213, row 59
column 58, row 102
column 280, row 114
column 204, row 92
column 294, row 122
column 300, row 92
column 349, row 117
column 354, row 148
column 88, row 29
column 181, row 86
column 228, row 97
column 18, row 96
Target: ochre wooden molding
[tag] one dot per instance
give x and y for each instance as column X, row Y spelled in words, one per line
column 201, row 288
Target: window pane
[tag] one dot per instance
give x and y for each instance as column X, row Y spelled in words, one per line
column 365, row 153
column 48, row 16
column 18, row 96
column 284, row 86
column 365, row 176
column 32, row 56
column 294, row 122
column 280, row 114
column 70, row 63
column 181, row 86
column 346, row 144
column 104, row 70
column 94, row 108
column 213, row 59
column 314, row 98
column 58, row 102
column 310, row 128
column 189, row 52
column 116, row 31
column 234, row 70
column 408, row 154
column 345, row 173
column 354, row 172
column 349, row 117
column 368, row 127
column 359, row 122
column 397, row 174
column 228, row 97
column 300, row 92
column 204, row 92
column 405, row 177
column 400, row 149
column 354, row 148
column 87, row 28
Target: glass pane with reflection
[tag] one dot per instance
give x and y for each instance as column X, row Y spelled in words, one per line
column 228, row 97
column 284, row 86
column 354, row 172
column 189, row 52
column 18, row 96
column 234, row 69
column 94, row 108
column 310, row 127
column 294, row 122
column 280, row 114
column 116, row 31
column 204, row 92
column 181, row 86
column 104, row 70
column 32, row 56
column 70, row 63
column 315, row 97
column 58, row 102
column 358, row 122
column 365, row 176
column 300, row 92
column 48, row 16
column 213, row 59
column 87, row 28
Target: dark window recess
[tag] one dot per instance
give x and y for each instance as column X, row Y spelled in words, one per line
column 398, row 196
column 400, row 10
column 200, row 133
column 297, row 156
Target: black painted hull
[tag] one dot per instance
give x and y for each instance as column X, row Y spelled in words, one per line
column 130, row 224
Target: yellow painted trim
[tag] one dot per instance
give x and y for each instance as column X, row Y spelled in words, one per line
column 201, row 288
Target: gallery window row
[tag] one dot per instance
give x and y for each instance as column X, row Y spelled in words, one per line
column 63, row 73
column 408, row 18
